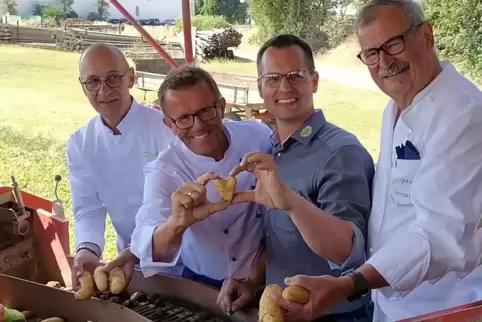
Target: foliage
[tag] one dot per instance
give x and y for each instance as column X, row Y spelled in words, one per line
column 235, row 11
column 458, row 32
column 53, row 14
column 38, row 8
column 93, row 16
column 201, row 22
column 11, row 6
column 66, row 6
column 102, row 9
column 308, row 19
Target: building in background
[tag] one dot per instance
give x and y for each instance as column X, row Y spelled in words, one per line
column 160, row 9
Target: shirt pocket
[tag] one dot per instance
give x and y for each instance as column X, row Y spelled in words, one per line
column 402, row 177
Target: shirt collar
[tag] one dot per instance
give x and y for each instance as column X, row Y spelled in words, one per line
column 128, row 122
column 305, row 133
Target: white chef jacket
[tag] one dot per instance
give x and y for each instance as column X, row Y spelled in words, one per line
column 223, row 245
column 425, row 210
column 106, row 172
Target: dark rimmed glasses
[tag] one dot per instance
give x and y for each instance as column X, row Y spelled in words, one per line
column 296, row 77
column 392, row 47
column 206, row 114
column 93, row 84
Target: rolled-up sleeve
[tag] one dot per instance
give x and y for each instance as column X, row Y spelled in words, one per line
column 447, row 196
column 89, row 212
column 156, row 208
column 344, row 190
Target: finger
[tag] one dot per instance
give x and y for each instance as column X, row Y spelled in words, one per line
column 299, row 280
column 183, row 200
column 206, row 177
column 77, row 271
column 214, row 207
column 237, row 170
column 225, row 296
column 195, row 191
column 243, row 196
column 247, row 157
column 289, row 307
column 242, row 301
column 111, row 265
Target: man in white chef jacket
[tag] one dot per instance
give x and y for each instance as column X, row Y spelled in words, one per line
column 182, row 216
column 106, row 156
column 423, row 246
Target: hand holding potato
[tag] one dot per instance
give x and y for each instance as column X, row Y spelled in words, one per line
column 87, row 287
column 84, row 261
column 115, row 276
column 190, row 205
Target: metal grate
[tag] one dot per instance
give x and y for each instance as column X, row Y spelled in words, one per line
column 161, row 309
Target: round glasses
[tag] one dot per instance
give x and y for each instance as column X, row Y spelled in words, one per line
column 206, row 114
column 93, row 84
column 294, row 78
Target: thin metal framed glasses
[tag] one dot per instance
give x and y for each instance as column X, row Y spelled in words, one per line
column 392, row 47
column 94, row 84
column 206, row 114
column 296, row 77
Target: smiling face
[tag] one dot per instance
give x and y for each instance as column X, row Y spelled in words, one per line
column 288, row 98
column 410, row 66
column 205, row 136
column 99, row 68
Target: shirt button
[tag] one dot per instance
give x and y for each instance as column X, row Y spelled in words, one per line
column 253, row 187
column 278, row 154
column 226, row 231
column 258, row 215
column 233, row 259
column 371, row 250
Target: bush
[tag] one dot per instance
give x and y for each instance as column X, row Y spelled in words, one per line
column 201, row 22
column 458, row 32
column 53, row 14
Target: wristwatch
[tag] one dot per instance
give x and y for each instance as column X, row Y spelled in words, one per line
column 361, row 285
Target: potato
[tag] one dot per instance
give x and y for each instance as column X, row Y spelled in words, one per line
column 55, row 319
column 87, row 287
column 268, row 310
column 101, row 279
column 27, row 314
column 225, row 188
column 117, row 281
column 296, row 294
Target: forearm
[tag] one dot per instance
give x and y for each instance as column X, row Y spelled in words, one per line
column 166, row 240
column 90, row 230
column 257, row 275
column 328, row 236
column 372, row 276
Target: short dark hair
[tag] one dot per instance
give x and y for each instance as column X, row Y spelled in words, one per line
column 185, row 77
column 284, row 41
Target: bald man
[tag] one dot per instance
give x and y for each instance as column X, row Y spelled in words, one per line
column 105, row 158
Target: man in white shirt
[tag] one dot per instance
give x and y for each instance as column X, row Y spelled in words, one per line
column 182, row 216
column 106, row 156
column 427, row 201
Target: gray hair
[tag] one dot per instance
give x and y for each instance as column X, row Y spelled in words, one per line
column 412, row 10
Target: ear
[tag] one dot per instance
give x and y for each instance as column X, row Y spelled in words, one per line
column 260, row 89
column 316, row 79
column 131, row 77
column 427, row 32
column 222, row 107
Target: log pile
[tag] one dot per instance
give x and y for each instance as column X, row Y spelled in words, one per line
column 216, row 43
column 6, row 34
column 69, row 40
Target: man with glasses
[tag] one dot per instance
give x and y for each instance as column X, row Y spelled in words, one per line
column 182, row 216
column 424, row 240
column 315, row 186
column 106, row 156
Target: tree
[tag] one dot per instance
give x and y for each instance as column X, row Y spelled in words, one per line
column 66, row 6
column 53, row 14
column 11, row 6
column 102, row 9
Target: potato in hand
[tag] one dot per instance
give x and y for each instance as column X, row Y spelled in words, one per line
column 87, row 287
column 117, row 280
column 225, row 188
column 269, row 311
column 101, row 279
column 296, row 294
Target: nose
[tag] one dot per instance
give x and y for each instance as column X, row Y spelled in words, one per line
column 385, row 60
column 285, row 85
column 104, row 88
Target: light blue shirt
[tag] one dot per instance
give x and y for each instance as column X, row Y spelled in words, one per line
column 226, row 244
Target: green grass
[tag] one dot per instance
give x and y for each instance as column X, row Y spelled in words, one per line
column 42, row 104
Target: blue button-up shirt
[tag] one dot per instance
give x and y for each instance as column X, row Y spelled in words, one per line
column 329, row 167
column 224, row 245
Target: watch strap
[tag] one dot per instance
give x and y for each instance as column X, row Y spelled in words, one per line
column 87, row 248
column 360, row 283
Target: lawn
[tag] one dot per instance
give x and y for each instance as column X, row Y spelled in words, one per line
column 42, row 104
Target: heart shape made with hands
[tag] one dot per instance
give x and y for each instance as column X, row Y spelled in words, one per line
column 225, row 187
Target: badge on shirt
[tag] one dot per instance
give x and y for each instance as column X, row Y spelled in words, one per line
column 306, row 131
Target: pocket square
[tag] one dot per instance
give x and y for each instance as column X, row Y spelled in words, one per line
column 407, row 151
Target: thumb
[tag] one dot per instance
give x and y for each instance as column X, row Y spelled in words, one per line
column 111, row 265
column 244, row 196
column 241, row 302
column 298, row 280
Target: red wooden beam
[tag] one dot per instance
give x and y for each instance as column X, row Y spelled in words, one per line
column 186, row 19
column 145, row 34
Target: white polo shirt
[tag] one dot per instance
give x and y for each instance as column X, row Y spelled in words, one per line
column 106, row 172
column 427, row 201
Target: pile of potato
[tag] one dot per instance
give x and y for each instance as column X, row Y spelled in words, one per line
column 113, row 282
column 270, row 311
